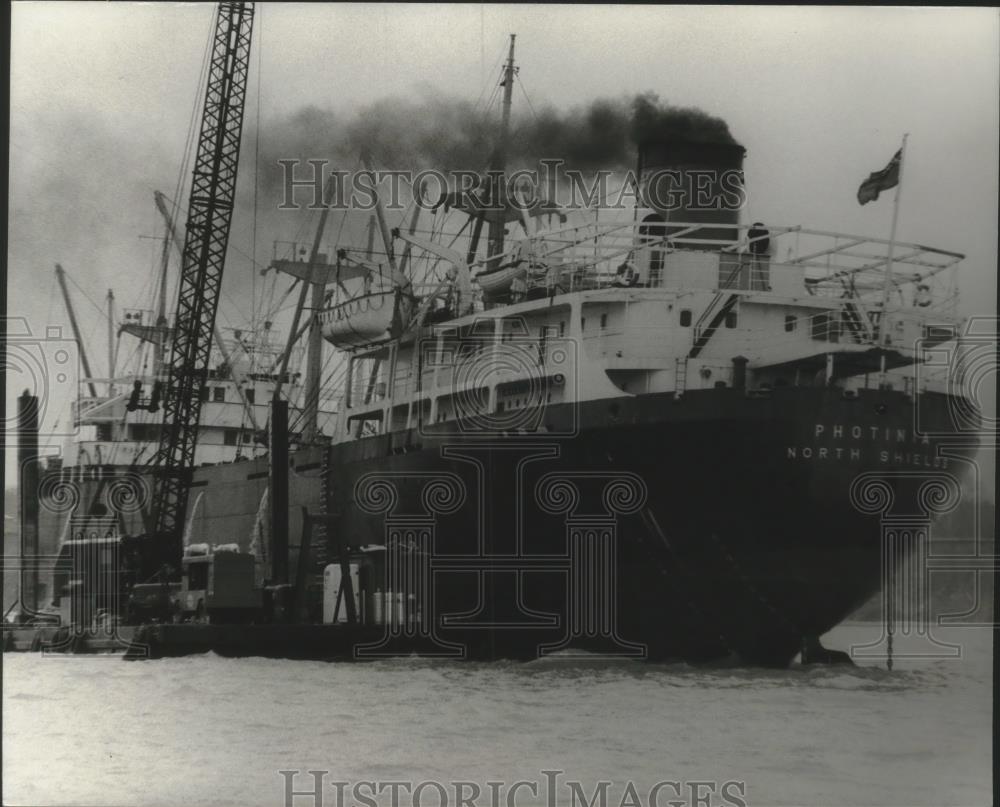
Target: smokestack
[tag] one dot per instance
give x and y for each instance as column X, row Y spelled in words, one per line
column 27, row 462
column 694, row 182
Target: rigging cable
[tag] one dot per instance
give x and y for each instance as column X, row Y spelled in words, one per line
column 84, row 293
column 256, row 171
column 524, row 92
column 493, row 70
column 192, row 128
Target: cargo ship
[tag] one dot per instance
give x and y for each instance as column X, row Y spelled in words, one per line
column 663, row 435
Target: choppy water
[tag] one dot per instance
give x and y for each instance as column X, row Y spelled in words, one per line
column 208, row 730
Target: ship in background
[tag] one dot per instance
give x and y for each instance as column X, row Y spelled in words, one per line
column 640, row 436
column 116, row 422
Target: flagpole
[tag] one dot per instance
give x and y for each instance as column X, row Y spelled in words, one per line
column 887, row 290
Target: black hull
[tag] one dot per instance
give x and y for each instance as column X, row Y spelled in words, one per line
column 747, row 539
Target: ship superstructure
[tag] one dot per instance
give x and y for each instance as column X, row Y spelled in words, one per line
column 663, row 301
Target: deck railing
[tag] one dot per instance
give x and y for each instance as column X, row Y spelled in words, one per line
column 821, row 263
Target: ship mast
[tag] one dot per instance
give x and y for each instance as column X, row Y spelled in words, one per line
column 111, row 343
column 508, row 91
column 314, row 356
column 495, row 237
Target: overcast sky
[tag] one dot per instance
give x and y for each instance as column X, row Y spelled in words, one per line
column 102, row 96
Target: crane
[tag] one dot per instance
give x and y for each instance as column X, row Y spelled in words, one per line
column 210, row 210
column 163, row 330
column 61, row 277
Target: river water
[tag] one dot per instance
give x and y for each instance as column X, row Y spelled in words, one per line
column 216, row 731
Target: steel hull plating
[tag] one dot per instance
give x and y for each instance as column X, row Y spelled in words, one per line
column 714, row 525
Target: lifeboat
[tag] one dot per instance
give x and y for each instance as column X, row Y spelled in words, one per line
column 367, row 319
column 498, row 282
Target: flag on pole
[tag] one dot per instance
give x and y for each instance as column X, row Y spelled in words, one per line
column 880, row 181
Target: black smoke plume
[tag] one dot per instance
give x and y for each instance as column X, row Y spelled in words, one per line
column 435, row 131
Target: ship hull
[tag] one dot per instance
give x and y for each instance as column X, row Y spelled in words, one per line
column 712, row 525
column 743, row 525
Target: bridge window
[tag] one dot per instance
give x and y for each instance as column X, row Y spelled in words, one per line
column 790, row 322
column 219, row 394
column 604, row 321
column 250, row 395
column 229, row 436
column 731, row 319
column 819, row 327
column 825, row 328
column 686, row 318
column 204, row 394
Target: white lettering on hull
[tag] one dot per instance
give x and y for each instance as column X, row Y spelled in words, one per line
column 884, row 434
column 837, row 442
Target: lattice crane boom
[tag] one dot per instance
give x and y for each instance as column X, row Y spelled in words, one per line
column 210, row 210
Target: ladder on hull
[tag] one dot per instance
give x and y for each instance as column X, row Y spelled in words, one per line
column 680, row 376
